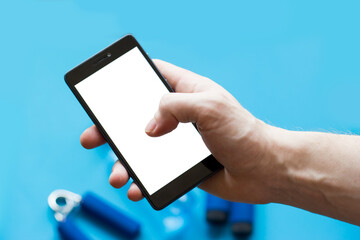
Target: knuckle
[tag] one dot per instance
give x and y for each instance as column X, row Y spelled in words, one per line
column 212, row 105
column 156, row 61
column 164, row 101
column 217, row 101
column 206, row 79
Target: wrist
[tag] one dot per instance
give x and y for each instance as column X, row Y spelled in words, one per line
column 284, row 148
column 314, row 171
column 295, row 177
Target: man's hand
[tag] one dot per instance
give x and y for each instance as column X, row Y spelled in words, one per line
column 237, row 139
column 318, row 172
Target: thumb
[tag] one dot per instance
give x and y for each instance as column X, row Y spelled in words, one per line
column 174, row 108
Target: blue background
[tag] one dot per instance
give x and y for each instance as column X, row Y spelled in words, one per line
column 294, row 64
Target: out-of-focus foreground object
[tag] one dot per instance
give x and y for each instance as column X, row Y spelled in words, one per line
column 64, row 202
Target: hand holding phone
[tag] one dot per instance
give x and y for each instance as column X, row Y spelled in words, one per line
column 226, row 128
column 120, row 89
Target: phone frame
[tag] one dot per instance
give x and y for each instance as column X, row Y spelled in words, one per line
column 180, row 185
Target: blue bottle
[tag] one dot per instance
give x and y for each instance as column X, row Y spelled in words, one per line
column 217, row 209
column 241, row 219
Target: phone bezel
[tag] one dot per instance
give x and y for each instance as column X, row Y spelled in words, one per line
column 180, row 185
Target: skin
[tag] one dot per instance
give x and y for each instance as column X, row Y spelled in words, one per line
column 318, row 172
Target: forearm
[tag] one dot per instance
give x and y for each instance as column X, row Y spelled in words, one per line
column 319, row 172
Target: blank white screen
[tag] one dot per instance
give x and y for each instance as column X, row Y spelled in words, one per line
column 124, row 96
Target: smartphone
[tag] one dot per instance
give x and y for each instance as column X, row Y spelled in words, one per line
column 120, row 89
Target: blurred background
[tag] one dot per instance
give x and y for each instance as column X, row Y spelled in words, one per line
column 293, row 64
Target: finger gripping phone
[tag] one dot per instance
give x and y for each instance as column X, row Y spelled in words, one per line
column 120, row 89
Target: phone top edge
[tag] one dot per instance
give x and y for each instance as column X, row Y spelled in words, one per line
column 128, row 37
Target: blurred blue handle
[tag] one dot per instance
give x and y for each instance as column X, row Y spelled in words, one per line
column 216, row 203
column 241, row 219
column 109, row 215
column 241, row 212
column 217, row 209
column 69, row 231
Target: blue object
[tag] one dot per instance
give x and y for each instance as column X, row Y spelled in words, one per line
column 241, row 218
column 64, row 202
column 69, row 231
column 110, row 215
column 217, row 209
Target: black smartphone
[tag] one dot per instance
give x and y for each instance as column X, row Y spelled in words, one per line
column 120, row 89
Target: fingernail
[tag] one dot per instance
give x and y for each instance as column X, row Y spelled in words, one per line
column 115, row 168
column 151, row 126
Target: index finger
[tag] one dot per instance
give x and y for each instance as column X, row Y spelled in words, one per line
column 91, row 138
column 180, row 79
